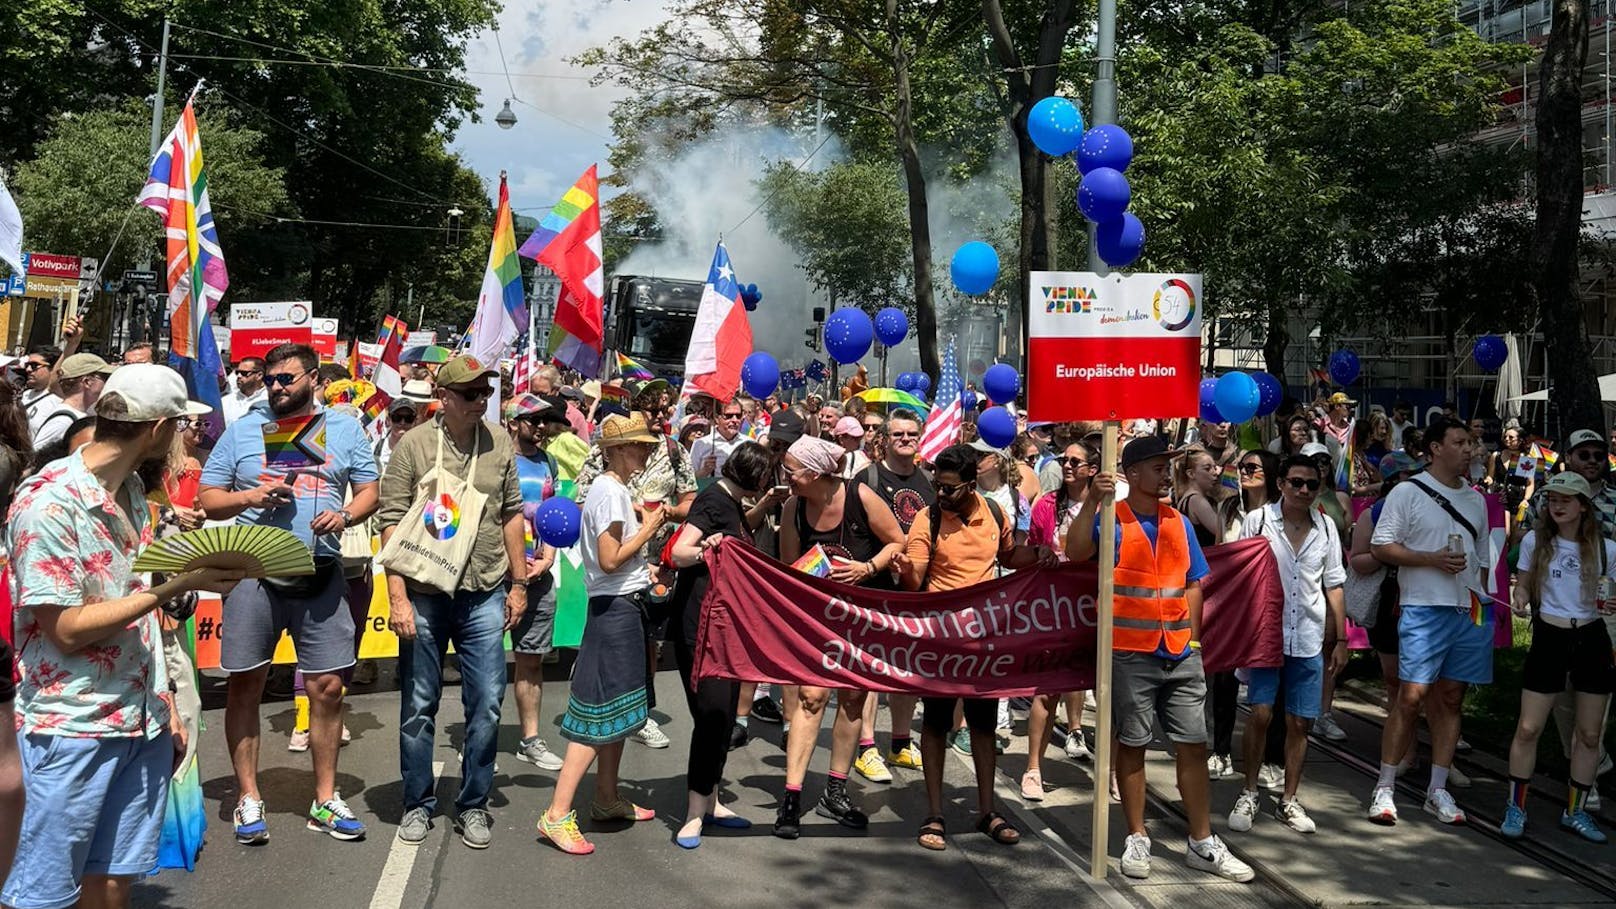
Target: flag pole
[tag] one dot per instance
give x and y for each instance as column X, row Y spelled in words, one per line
column 1098, row 856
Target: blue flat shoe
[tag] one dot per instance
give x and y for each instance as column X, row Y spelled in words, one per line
column 687, row 842
column 733, row 822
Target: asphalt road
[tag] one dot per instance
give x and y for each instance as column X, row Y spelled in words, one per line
column 637, row 863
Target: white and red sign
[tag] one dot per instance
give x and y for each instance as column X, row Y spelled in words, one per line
column 258, row 328
column 46, row 265
column 369, row 356
column 1113, row 347
column 324, row 339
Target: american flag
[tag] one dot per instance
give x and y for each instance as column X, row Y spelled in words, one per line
column 943, row 428
column 527, row 365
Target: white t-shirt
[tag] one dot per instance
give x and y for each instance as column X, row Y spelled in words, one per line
column 714, row 444
column 53, row 424
column 609, row 503
column 38, row 405
column 1412, row 518
column 1563, row 594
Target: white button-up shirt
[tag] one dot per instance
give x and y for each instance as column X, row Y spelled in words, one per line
column 1305, row 573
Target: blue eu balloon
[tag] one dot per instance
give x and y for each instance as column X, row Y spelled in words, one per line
column 1208, row 399
column 1237, row 397
column 1490, row 352
column 1120, row 241
column 996, row 427
column 1103, row 195
column 1344, row 367
column 974, row 268
column 848, row 333
column 968, row 399
column 1001, row 383
column 1271, row 393
column 906, row 381
column 1105, row 146
column 891, row 326
column 922, row 383
column 760, row 374
column 557, row 521
column 1055, row 125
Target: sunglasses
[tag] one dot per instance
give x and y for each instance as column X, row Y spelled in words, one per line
column 30, row 367
column 1589, row 454
column 282, row 378
column 953, row 489
column 473, row 395
column 872, row 427
column 1030, row 460
column 731, row 416
column 1299, row 483
column 404, row 417
column 904, row 435
column 1251, row 469
column 1071, row 462
column 185, row 424
column 249, row 372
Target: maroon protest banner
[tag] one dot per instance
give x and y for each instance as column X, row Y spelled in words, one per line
column 1031, row 632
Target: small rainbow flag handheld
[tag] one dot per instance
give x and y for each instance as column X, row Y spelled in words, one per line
column 629, row 369
column 1478, row 607
column 814, row 562
column 1230, row 478
column 295, row 442
column 616, row 393
column 374, row 405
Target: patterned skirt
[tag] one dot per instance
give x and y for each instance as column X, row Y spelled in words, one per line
column 608, row 700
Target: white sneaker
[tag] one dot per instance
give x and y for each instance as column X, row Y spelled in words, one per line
column 1003, row 720
column 1216, row 766
column 652, row 736
column 1605, row 764
column 1220, row 861
column 1291, row 815
column 1327, row 727
column 1458, row 779
column 1271, row 777
column 538, row 754
column 1441, row 805
column 1245, row 811
column 1136, row 856
column 1076, row 748
column 1382, row 807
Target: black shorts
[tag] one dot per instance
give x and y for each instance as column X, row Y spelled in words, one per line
column 8, row 667
column 937, row 714
column 1581, row 654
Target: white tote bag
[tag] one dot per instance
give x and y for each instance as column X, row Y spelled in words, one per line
column 432, row 545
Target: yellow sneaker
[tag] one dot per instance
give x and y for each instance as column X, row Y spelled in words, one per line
column 870, row 766
column 908, row 758
column 564, row 834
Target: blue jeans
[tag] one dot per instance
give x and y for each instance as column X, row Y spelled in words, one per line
column 475, row 622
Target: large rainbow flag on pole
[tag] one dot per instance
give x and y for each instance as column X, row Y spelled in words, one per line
column 501, row 307
column 177, row 188
column 568, row 242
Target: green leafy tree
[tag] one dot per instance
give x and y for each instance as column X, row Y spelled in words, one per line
column 814, row 211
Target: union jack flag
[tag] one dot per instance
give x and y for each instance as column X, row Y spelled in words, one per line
column 177, row 188
column 943, row 429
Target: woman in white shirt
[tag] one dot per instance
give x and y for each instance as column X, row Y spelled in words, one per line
column 608, row 701
column 1564, row 561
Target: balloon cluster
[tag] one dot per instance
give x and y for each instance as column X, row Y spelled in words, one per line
column 1055, row 125
column 1237, row 397
column 751, row 297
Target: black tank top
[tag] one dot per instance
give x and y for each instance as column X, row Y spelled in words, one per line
column 1203, row 535
column 852, row 539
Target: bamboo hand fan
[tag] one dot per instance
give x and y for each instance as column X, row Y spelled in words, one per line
column 261, row 552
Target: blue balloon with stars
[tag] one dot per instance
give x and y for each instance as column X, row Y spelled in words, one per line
column 891, row 326
column 1055, row 125
column 1208, row 401
column 906, row 381
column 996, row 427
column 1490, row 352
column 760, row 374
column 1105, row 146
column 1270, row 391
column 1344, row 367
column 848, row 334
column 558, row 522
column 1103, row 195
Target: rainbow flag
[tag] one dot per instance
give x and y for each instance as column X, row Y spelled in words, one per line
column 814, row 562
column 1230, row 478
column 291, row 443
column 1478, row 607
column 373, row 406
column 616, row 394
column 631, row 369
column 1547, row 456
column 568, row 242
column 392, row 325
column 1344, row 470
column 501, row 308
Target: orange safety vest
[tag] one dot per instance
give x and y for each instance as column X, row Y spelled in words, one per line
column 1148, row 600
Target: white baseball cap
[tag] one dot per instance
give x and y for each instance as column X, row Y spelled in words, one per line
column 149, row 392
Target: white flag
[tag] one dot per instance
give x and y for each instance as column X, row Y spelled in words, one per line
column 10, row 231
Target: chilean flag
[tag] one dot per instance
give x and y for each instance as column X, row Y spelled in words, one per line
column 722, row 339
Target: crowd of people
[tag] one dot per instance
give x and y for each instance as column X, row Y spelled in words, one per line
column 99, row 458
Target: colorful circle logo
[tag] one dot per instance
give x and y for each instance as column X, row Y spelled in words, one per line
column 443, row 517
column 1174, row 304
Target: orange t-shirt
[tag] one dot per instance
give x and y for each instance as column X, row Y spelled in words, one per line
column 967, row 551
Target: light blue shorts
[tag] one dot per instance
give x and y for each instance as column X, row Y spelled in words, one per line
column 1440, row 642
column 1304, row 685
column 95, row 806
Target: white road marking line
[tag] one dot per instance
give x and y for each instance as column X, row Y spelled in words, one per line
column 400, row 861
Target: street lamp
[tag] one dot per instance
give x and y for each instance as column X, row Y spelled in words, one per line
column 506, row 118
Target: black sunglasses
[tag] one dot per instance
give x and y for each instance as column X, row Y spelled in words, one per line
column 30, row 367
column 1250, row 469
column 1299, row 483
column 952, row 489
column 473, row 395
column 404, row 416
column 1071, row 462
column 282, row 378
column 730, row 416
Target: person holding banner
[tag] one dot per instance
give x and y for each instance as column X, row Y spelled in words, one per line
column 608, row 703
column 719, row 511
column 964, row 539
column 860, row 536
column 239, row 483
column 1156, row 651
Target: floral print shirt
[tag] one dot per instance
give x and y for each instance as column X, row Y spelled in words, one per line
column 72, row 544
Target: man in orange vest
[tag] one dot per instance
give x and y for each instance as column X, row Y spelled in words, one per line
column 1156, row 651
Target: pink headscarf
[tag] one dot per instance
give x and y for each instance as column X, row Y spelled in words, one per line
column 818, row 455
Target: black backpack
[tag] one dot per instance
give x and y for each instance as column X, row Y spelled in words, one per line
column 934, row 515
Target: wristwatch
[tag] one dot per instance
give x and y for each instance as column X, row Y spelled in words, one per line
column 347, row 519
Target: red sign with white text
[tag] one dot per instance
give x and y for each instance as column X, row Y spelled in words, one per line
column 45, row 265
column 1113, row 347
column 255, row 342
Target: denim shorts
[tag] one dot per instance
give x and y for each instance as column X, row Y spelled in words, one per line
column 95, row 806
column 1440, row 642
column 321, row 626
column 1304, row 685
column 535, row 630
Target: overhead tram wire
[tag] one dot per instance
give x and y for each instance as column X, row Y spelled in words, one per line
column 796, row 169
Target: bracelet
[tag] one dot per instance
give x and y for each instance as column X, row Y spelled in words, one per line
column 1195, row 645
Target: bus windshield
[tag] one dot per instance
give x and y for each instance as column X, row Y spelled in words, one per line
column 659, row 334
